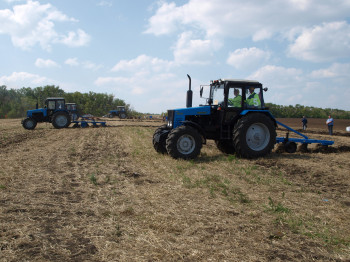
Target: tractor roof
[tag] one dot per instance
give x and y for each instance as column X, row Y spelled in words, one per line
column 241, row 80
column 55, row 98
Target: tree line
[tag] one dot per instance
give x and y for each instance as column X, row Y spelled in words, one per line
column 299, row 111
column 14, row 103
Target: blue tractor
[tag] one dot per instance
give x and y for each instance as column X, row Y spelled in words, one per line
column 55, row 112
column 121, row 112
column 234, row 116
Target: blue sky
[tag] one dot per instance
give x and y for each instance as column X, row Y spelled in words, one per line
column 141, row 50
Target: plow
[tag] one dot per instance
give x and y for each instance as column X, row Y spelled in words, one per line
column 88, row 121
column 290, row 144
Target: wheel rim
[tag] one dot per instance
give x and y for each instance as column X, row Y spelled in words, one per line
column 186, row 144
column 61, row 120
column 258, row 136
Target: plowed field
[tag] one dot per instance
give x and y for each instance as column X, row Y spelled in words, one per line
column 104, row 194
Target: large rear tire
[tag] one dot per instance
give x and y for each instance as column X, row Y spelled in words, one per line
column 122, row 115
column 254, row 135
column 29, row 123
column 225, row 146
column 61, row 120
column 159, row 140
column 184, row 142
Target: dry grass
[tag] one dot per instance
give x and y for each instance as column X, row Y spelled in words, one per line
column 105, row 195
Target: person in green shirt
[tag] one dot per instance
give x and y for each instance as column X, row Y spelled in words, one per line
column 237, row 100
column 253, row 99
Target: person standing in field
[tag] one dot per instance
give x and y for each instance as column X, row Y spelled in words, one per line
column 304, row 120
column 330, row 124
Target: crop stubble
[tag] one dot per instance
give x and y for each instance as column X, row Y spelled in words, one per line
column 103, row 194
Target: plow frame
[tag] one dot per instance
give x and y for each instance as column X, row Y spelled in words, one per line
column 304, row 140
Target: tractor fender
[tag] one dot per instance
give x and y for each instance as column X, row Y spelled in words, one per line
column 265, row 112
column 197, row 127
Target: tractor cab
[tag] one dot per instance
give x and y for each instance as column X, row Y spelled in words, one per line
column 73, row 110
column 231, row 96
column 72, row 107
column 54, row 104
column 237, row 94
column 121, row 108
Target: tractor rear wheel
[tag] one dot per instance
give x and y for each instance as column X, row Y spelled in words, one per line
column 254, row 135
column 184, row 142
column 61, row 120
column 159, row 144
column 225, row 146
column 29, row 123
column 122, row 115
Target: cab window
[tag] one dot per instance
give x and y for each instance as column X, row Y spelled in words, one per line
column 253, row 97
column 218, row 95
column 60, row 104
column 235, row 97
column 51, row 105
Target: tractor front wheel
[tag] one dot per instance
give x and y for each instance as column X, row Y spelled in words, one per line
column 184, row 142
column 254, row 135
column 159, row 139
column 61, row 120
column 29, row 123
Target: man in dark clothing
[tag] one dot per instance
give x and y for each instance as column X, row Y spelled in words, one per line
column 304, row 120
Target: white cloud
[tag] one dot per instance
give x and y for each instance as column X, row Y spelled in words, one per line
column 251, row 18
column 23, row 79
column 41, row 63
column 72, row 61
column 278, row 76
column 75, row 39
column 143, row 63
column 335, row 70
column 323, row 43
column 247, row 57
column 91, row 66
column 32, row 23
column 105, row 3
column 194, row 51
column 165, row 19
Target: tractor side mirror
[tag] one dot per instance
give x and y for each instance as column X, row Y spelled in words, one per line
column 265, row 89
column 201, row 91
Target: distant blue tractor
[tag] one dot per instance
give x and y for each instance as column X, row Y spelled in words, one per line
column 55, row 112
column 121, row 112
column 235, row 117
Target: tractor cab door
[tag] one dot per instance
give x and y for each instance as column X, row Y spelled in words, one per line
column 60, row 105
column 50, row 106
column 234, row 104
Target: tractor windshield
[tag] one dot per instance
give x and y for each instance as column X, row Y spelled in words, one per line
column 217, row 94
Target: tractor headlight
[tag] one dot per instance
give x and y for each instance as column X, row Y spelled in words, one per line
column 170, row 124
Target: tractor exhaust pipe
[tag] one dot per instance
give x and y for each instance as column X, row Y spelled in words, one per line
column 189, row 93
